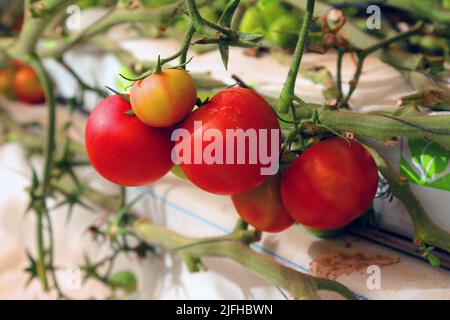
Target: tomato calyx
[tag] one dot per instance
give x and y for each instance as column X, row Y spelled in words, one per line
column 200, row 103
column 158, row 69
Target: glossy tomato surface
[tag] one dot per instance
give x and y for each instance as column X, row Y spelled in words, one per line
column 27, row 87
column 123, row 149
column 234, row 108
column 165, row 98
column 330, row 184
column 262, row 207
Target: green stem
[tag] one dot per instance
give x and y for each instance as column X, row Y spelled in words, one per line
column 340, row 57
column 41, row 267
column 182, row 53
column 299, row 285
column 381, row 126
column 403, row 35
column 48, row 161
column 113, row 18
column 354, row 82
column 193, row 11
column 200, row 25
column 48, row 156
column 362, row 55
column 287, row 93
column 100, row 92
column 33, row 27
column 51, row 122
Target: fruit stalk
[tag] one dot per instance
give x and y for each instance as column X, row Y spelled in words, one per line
column 287, row 92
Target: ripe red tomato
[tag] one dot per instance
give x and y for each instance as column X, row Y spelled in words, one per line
column 123, row 149
column 27, row 87
column 330, row 184
column 262, row 207
column 164, row 98
column 234, row 108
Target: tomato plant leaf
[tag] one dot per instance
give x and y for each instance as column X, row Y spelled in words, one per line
column 224, row 53
column 430, row 158
column 227, row 15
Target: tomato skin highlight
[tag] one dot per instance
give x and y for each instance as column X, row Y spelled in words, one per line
column 124, row 150
column 26, row 86
column 165, row 98
column 330, row 184
column 262, row 207
column 229, row 109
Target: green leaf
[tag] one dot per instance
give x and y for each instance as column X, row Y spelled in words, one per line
column 227, row 15
column 430, row 158
column 224, row 53
column 250, row 37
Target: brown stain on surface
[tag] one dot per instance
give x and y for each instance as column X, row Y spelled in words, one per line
column 334, row 264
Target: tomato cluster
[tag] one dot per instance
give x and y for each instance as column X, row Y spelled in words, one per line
column 20, row 81
column 130, row 141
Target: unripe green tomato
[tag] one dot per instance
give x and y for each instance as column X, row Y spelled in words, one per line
column 283, row 32
column 124, row 280
column 252, row 21
column 446, row 4
column 176, row 170
column 271, row 10
column 431, row 43
column 325, row 233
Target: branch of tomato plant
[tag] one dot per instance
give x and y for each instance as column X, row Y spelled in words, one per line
column 115, row 17
column 382, row 126
column 363, row 54
column 299, row 285
column 44, row 192
column 81, row 82
column 287, row 92
column 37, row 15
column 425, row 230
column 430, row 92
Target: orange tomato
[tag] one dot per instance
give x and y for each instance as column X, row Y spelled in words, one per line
column 27, row 87
column 164, row 98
